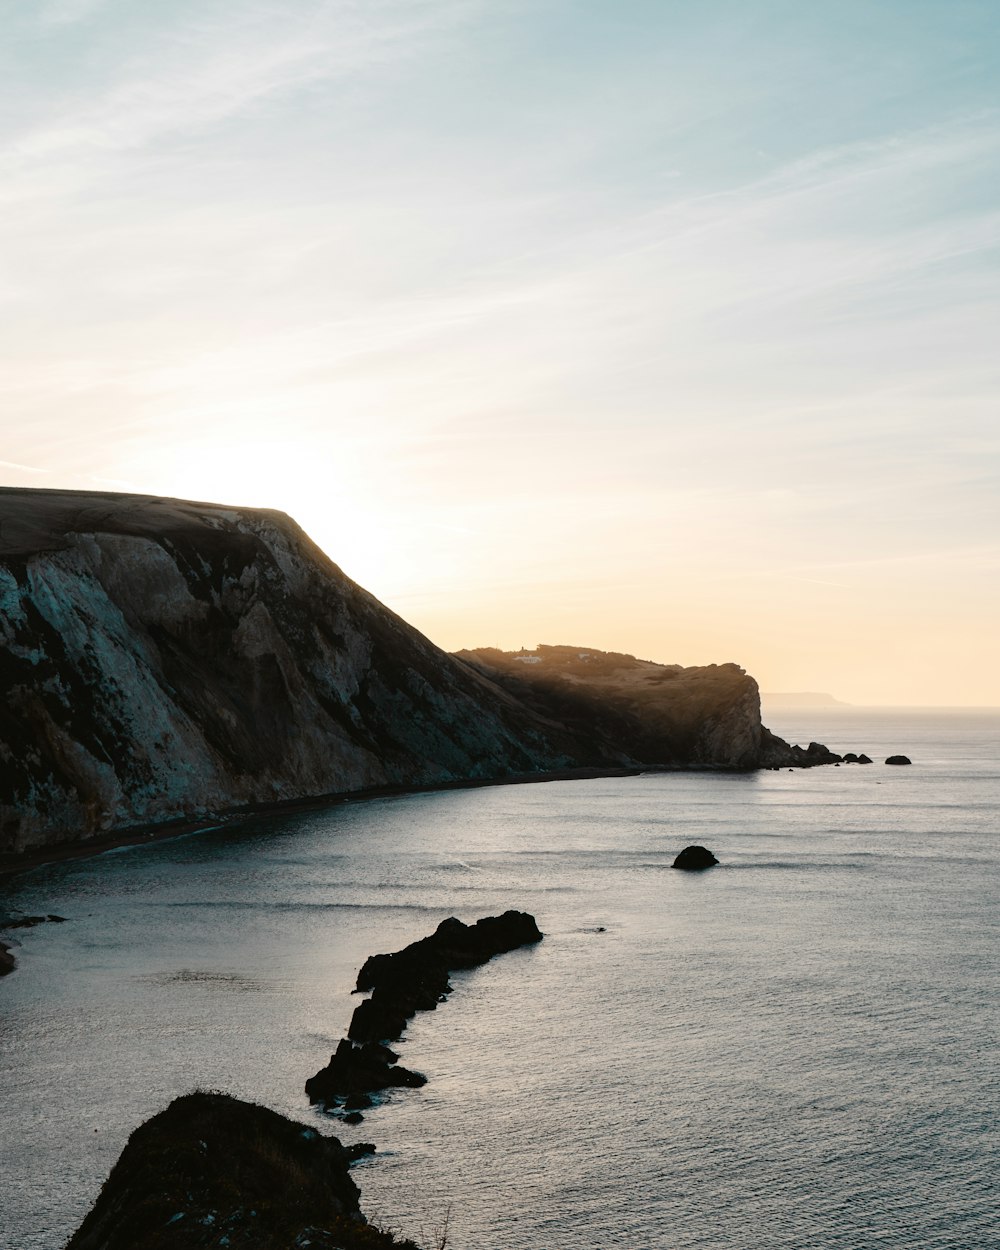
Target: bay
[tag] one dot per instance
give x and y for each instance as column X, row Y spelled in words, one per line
column 797, row 1048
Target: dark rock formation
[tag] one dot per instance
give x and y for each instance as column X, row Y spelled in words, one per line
column 213, row 1171
column 694, row 859
column 355, row 1071
column 899, row 759
column 864, row 759
column 403, row 983
column 7, row 960
column 812, row 755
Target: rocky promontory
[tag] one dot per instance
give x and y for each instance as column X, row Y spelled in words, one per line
column 642, row 713
column 211, row 1170
column 165, row 661
column 413, row 979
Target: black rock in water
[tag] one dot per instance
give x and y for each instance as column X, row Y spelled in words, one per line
column 7, row 960
column 694, row 859
column 813, row 755
column 899, row 759
column 211, row 1170
column 355, row 1071
column 864, row 759
column 403, row 983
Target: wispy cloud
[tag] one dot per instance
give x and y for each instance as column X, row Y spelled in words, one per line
column 55, row 13
column 216, row 68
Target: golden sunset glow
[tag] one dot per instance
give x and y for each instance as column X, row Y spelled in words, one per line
column 541, row 338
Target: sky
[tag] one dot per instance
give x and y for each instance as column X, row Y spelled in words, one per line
column 662, row 327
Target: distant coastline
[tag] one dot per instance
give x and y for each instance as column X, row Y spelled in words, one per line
column 800, row 698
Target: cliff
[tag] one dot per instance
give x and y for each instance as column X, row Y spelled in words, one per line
column 637, row 711
column 161, row 660
column 164, row 660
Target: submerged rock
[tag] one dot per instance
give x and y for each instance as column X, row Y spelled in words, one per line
column 899, row 759
column 211, row 1170
column 694, row 859
column 29, row 922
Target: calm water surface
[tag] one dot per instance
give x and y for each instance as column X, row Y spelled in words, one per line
column 797, row 1049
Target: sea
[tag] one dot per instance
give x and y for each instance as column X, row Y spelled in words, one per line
column 796, row 1049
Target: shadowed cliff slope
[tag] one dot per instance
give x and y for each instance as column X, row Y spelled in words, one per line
column 162, row 660
column 659, row 715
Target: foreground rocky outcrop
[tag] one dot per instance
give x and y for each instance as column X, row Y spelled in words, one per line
column 401, row 984
column 163, row 661
column 213, row 1171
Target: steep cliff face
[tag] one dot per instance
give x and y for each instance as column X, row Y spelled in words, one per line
column 161, row 659
column 639, row 712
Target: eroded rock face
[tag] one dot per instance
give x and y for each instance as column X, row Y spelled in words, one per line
column 161, row 660
column 211, row 1170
